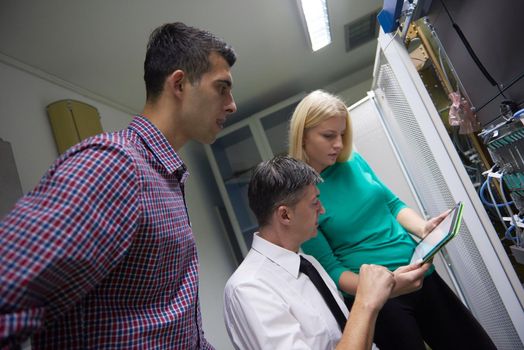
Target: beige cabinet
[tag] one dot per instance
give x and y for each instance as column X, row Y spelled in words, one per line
column 72, row 121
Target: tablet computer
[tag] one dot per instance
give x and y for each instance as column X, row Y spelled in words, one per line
column 439, row 236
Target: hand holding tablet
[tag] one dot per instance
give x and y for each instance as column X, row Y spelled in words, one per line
column 439, row 236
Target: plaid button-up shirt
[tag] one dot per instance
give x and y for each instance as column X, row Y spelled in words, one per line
column 100, row 255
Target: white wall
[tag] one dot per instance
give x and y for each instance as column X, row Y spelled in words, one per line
column 354, row 87
column 24, row 123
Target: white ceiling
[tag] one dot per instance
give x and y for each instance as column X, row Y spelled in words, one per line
column 98, row 46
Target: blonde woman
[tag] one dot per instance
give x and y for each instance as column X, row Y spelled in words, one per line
column 366, row 223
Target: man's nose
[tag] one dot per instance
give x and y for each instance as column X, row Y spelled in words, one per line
column 231, row 107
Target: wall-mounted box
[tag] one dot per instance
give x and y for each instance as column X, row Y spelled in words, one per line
column 72, row 121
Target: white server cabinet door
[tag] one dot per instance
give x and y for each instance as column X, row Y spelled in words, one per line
column 486, row 278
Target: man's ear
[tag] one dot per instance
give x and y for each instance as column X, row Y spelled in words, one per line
column 175, row 82
column 284, row 214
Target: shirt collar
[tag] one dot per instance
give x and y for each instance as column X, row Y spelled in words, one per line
column 159, row 146
column 288, row 260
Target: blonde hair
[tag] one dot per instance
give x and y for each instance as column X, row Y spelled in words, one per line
column 316, row 107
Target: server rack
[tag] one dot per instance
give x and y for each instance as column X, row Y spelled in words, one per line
column 476, row 259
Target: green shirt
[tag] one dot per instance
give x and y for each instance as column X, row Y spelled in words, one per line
column 359, row 225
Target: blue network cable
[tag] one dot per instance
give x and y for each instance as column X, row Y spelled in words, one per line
column 485, row 201
column 509, row 236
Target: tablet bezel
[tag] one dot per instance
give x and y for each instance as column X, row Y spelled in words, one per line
column 456, row 211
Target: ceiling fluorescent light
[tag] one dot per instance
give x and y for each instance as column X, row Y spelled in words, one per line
column 317, row 22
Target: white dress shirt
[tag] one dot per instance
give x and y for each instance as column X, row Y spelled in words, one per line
column 269, row 304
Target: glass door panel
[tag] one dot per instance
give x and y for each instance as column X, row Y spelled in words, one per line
column 276, row 128
column 236, row 155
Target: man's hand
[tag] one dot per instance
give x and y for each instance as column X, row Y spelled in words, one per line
column 409, row 278
column 374, row 286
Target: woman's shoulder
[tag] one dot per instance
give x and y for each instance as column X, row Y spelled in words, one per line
column 355, row 164
column 354, row 159
column 339, row 168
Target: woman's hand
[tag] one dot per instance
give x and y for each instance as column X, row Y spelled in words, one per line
column 414, row 223
column 433, row 222
column 409, row 278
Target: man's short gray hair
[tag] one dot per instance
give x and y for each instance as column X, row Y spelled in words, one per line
column 279, row 181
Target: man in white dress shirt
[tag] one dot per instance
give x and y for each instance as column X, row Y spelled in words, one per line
column 269, row 303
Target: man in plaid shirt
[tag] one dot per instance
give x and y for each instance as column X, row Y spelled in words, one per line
column 100, row 255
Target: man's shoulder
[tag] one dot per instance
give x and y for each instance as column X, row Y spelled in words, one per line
column 247, row 270
column 120, row 142
column 121, row 139
column 99, row 151
column 251, row 273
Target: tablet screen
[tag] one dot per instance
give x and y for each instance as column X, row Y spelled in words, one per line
column 438, row 237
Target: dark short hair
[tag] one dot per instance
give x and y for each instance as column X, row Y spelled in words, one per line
column 175, row 46
column 279, row 181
